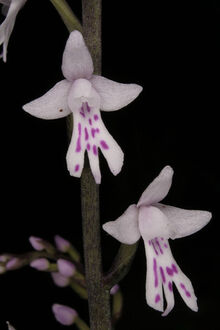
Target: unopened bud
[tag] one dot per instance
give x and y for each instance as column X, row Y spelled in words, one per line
column 37, row 243
column 66, row 268
column 114, row 289
column 60, row 280
column 13, row 263
column 62, row 244
column 40, row 264
column 64, row 314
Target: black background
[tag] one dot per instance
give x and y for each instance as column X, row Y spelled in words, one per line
column 172, row 50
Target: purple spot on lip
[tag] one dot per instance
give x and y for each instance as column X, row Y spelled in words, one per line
column 104, row 144
column 184, row 288
column 157, row 298
column 78, row 144
column 88, row 146
column 77, row 168
column 169, row 271
column 174, row 268
column 155, row 273
column 88, row 107
column 95, row 150
column 86, row 134
column 90, row 121
column 170, row 286
column 155, row 250
column 162, row 275
column 158, row 244
column 96, row 117
column 93, row 131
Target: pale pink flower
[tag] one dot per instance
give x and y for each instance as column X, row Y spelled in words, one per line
column 84, row 94
column 156, row 223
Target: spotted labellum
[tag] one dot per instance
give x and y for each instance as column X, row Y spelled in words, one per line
column 156, row 223
column 84, row 94
column 10, row 9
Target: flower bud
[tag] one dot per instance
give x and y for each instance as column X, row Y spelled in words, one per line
column 37, row 243
column 13, row 263
column 40, row 264
column 62, row 244
column 66, row 268
column 114, row 289
column 60, row 280
column 64, row 314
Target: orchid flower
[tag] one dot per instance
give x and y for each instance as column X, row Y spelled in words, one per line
column 156, row 223
column 85, row 94
column 11, row 9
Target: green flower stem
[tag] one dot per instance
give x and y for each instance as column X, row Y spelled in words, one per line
column 98, row 297
column 121, row 265
column 81, row 325
column 81, row 291
column 117, row 305
column 74, row 254
column 67, row 15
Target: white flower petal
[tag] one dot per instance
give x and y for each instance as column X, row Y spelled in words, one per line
column 77, row 62
column 164, row 271
column 8, row 24
column 114, row 95
column 51, row 105
column 186, row 290
column 158, row 189
column 125, row 228
column 184, row 222
column 90, row 133
column 152, row 223
column 154, row 293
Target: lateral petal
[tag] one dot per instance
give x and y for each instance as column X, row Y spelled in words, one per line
column 8, row 24
column 114, row 95
column 184, row 222
column 125, row 228
column 77, row 62
column 158, row 188
column 51, row 105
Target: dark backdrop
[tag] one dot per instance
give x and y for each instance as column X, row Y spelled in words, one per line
column 171, row 49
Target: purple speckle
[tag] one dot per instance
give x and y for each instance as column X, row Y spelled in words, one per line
column 88, row 107
column 165, row 245
column 88, row 146
column 162, row 275
column 94, row 148
column 155, row 273
column 149, row 242
column 90, row 121
column 77, row 168
column 169, row 271
column 186, row 291
column 94, row 131
column 174, row 268
column 86, row 134
column 96, row 117
column 78, row 144
column 155, row 250
column 158, row 244
column 104, row 144
column 157, row 298
column 170, row 286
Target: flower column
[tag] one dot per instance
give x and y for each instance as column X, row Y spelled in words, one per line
column 98, row 297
